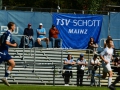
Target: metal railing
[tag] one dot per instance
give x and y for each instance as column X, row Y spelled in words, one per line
column 104, row 40
column 34, row 9
column 54, row 73
column 23, row 43
column 54, row 66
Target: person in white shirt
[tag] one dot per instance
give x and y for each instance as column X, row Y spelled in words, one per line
column 93, row 66
column 106, row 57
column 81, row 63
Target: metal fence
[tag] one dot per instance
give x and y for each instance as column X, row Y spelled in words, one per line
column 52, row 69
column 51, row 10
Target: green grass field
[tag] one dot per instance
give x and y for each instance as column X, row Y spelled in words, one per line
column 37, row 87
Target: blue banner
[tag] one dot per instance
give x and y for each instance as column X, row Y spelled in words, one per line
column 76, row 29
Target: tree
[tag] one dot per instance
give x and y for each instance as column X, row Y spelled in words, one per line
column 91, row 5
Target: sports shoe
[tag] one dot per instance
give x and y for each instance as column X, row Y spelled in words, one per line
column 112, row 87
column 5, row 81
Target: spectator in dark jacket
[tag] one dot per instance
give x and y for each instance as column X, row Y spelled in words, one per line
column 29, row 35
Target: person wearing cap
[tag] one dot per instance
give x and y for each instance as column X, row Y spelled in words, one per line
column 93, row 66
column 53, row 36
column 41, row 32
column 29, row 35
column 81, row 63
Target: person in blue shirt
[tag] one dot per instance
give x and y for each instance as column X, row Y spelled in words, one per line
column 4, row 55
column 68, row 69
column 41, row 32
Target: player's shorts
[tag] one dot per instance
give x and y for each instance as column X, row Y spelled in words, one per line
column 106, row 67
column 4, row 57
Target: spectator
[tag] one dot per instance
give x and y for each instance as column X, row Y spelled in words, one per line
column 68, row 69
column 81, row 63
column 53, row 35
column 117, row 63
column 92, row 45
column 41, row 32
column 108, row 37
column 29, row 35
column 94, row 63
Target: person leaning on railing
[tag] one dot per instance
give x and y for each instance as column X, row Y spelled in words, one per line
column 117, row 63
column 117, row 68
column 81, row 63
column 93, row 66
column 92, row 45
column 68, row 69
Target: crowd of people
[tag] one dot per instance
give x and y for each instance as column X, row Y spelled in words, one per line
column 56, row 42
column 106, row 55
column 41, row 36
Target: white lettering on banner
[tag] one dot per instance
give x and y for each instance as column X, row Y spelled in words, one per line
column 77, row 31
column 86, row 22
column 5, row 28
column 75, row 22
column 63, row 22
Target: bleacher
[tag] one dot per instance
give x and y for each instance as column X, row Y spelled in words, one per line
column 42, row 66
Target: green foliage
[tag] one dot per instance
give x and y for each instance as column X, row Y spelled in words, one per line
column 94, row 6
column 91, row 5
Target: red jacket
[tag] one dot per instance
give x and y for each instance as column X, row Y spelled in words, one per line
column 53, row 33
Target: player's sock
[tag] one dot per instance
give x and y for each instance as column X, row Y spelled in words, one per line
column 7, row 74
column 109, row 81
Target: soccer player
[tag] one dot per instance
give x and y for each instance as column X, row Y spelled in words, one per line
column 106, row 57
column 4, row 46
